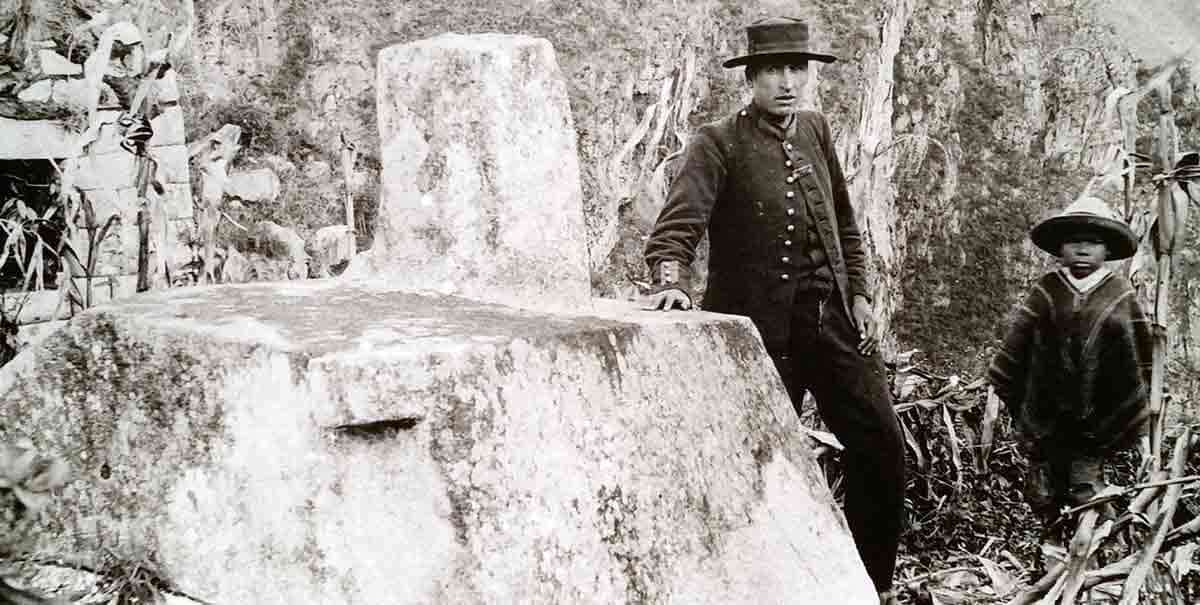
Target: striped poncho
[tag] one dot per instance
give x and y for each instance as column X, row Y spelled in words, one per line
column 1075, row 366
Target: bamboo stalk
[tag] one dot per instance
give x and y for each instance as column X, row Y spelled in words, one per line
column 1112, row 571
column 1162, row 286
column 1142, row 500
column 348, row 156
column 1081, row 548
column 1147, row 495
column 1183, row 532
column 1035, row 592
column 1133, row 584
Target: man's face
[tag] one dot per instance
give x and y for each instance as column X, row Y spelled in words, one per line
column 1083, row 253
column 777, row 86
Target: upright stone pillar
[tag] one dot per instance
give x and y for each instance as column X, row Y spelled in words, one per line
column 480, row 191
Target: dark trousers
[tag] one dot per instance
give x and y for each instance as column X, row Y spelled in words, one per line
column 1061, row 477
column 855, row 402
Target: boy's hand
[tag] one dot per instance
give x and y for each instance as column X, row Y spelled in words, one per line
column 868, row 328
column 669, row 299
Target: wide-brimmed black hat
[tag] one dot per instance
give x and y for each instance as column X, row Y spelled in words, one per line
column 778, row 37
column 1086, row 214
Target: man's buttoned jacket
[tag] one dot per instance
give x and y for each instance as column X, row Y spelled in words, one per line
column 757, row 188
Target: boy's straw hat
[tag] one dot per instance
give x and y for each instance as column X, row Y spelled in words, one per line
column 1086, row 213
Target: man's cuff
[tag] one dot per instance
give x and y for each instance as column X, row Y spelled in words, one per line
column 672, row 275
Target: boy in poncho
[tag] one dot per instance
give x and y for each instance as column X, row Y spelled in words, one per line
column 1074, row 368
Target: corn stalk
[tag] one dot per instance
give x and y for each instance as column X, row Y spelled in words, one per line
column 349, row 155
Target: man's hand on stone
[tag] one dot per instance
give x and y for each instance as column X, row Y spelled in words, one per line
column 669, row 299
column 868, row 328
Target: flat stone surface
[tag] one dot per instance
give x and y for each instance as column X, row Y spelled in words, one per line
column 480, row 180
column 254, row 185
column 320, row 442
column 41, row 304
column 116, row 169
column 34, row 140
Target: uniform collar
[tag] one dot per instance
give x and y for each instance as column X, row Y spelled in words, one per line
column 1088, row 283
column 766, row 125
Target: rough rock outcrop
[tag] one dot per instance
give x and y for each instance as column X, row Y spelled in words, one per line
column 321, row 443
column 333, row 247
column 480, row 192
column 255, row 185
column 284, row 244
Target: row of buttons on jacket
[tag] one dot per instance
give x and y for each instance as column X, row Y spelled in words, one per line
column 790, row 211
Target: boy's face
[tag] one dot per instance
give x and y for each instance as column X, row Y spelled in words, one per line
column 1083, row 253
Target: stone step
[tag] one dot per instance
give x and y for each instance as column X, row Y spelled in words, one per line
column 328, row 442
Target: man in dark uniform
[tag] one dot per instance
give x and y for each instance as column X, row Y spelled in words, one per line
column 786, row 251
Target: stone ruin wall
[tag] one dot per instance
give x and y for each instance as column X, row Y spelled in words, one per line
column 53, row 88
column 106, row 175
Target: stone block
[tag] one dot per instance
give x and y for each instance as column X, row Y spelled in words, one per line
column 333, row 245
column 172, row 210
column 37, row 92
column 264, row 445
column 254, row 185
column 38, row 308
column 283, row 243
column 480, row 189
column 172, row 164
column 107, row 202
column 117, row 253
column 108, row 140
column 168, row 128
column 177, row 200
column 41, row 306
column 167, row 88
column 116, row 169
column 34, row 139
column 100, row 170
column 72, row 91
column 109, row 288
column 54, row 64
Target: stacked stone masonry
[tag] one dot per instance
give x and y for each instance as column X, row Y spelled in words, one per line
column 106, row 175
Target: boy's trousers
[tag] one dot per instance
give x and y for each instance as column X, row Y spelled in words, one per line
column 1060, row 477
column 855, row 402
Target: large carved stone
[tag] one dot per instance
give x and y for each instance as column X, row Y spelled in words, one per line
column 315, row 442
